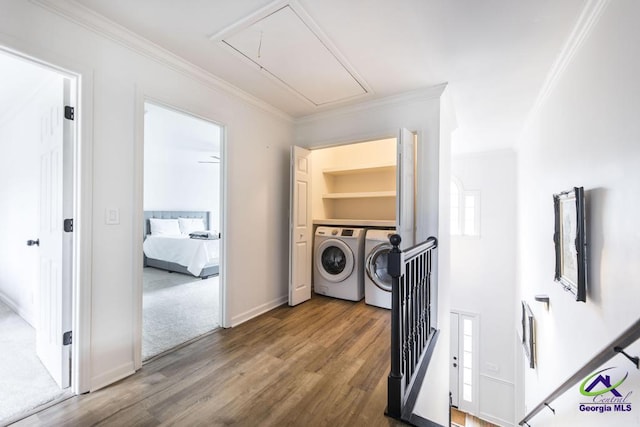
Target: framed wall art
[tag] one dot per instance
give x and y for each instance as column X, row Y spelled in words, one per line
column 528, row 334
column 571, row 242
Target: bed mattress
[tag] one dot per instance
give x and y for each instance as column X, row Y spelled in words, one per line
column 193, row 254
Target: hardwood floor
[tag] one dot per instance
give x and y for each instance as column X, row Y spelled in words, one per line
column 322, row 363
column 462, row 419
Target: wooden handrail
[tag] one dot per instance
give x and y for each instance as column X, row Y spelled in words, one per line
column 630, row 335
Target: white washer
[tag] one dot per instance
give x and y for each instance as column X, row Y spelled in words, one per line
column 338, row 261
column 377, row 281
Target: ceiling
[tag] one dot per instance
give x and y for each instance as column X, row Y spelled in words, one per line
column 495, row 54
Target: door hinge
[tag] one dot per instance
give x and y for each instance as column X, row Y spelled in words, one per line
column 68, row 225
column 69, row 112
column 66, row 338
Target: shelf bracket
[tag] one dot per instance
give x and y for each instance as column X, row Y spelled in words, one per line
column 634, row 360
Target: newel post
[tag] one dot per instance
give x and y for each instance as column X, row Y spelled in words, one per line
column 395, row 384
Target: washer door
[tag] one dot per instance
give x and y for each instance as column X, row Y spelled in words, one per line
column 334, row 260
column 378, row 266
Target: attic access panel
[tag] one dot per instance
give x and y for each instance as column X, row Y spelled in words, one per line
column 293, row 51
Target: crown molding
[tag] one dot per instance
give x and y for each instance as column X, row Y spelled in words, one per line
column 587, row 20
column 432, row 92
column 99, row 24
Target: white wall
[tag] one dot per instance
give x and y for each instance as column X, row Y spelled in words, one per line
column 483, row 275
column 174, row 178
column 257, row 175
column 368, row 121
column 586, row 134
column 20, row 192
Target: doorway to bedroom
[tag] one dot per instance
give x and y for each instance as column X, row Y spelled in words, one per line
column 182, row 212
column 37, row 180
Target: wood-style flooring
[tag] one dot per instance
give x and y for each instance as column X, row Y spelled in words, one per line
column 462, row 419
column 322, row 363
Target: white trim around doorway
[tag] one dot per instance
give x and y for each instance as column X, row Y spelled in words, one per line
column 142, row 96
column 81, row 79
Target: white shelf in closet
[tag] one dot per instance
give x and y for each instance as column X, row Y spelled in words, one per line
column 360, row 195
column 359, row 170
column 356, row 222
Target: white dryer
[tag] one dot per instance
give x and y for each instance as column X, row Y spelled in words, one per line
column 338, row 261
column 377, row 281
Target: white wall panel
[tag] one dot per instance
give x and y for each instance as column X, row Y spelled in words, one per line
column 483, row 270
column 496, row 400
column 586, row 134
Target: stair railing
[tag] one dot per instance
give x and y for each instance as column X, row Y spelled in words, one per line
column 617, row 346
column 413, row 335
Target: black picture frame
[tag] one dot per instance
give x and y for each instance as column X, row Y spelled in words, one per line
column 570, row 239
column 528, row 334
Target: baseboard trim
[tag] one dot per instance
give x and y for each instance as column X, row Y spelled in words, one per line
column 112, row 376
column 27, row 315
column 257, row 311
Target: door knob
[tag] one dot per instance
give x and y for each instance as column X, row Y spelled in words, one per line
column 33, row 242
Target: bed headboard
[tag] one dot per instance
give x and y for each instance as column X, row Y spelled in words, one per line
column 172, row 215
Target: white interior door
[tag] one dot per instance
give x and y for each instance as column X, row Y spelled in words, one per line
column 454, row 369
column 405, row 191
column 300, row 227
column 54, row 293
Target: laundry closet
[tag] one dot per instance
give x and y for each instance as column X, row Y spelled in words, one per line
column 355, row 184
column 338, row 195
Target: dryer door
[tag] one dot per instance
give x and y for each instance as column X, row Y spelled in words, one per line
column 377, row 266
column 335, row 260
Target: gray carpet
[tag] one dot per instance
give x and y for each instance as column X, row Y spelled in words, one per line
column 24, row 382
column 176, row 308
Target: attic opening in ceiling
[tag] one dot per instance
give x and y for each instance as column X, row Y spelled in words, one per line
column 291, row 49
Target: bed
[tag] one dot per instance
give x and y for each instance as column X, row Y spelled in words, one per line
column 168, row 245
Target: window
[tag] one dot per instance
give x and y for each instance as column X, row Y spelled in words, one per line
column 465, row 210
column 467, row 360
column 465, row 373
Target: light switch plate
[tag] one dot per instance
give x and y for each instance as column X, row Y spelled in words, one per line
column 112, row 216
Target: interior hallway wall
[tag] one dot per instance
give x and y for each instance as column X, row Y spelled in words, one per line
column 587, row 133
column 483, row 273
column 20, row 193
column 258, row 140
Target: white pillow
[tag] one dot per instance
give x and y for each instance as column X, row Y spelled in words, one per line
column 189, row 225
column 164, row 227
